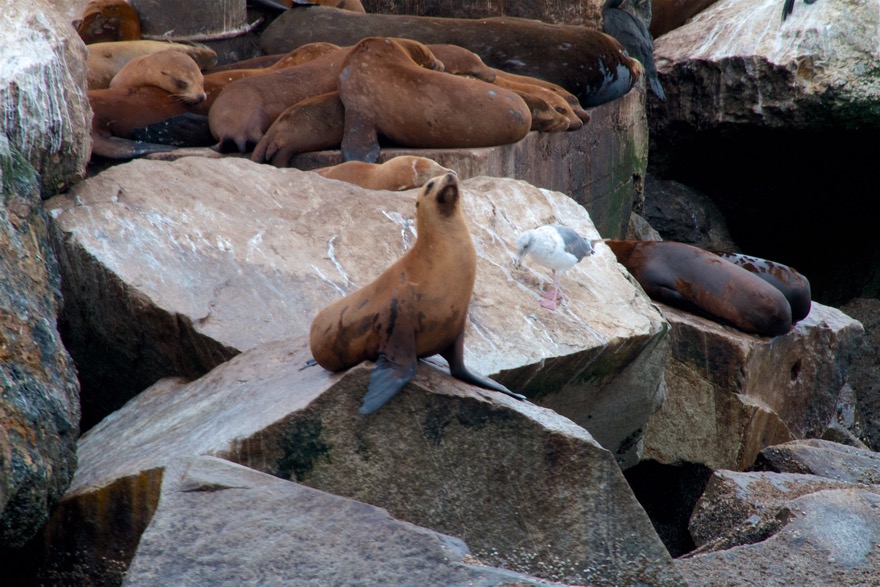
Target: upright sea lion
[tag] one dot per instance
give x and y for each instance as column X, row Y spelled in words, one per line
column 174, row 71
column 106, row 59
column 415, row 308
column 246, row 108
column 703, row 283
column 585, row 61
column 108, row 21
column 794, row 286
column 386, row 93
column 403, row 172
column 312, row 124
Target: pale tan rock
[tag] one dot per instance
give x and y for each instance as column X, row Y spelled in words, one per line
column 184, row 264
column 731, row 394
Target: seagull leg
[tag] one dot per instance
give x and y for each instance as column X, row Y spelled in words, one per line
column 552, row 295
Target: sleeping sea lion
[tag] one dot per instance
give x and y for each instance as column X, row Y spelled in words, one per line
column 403, row 172
column 703, row 283
column 106, row 59
column 174, row 71
column 415, row 308
column 384, row 92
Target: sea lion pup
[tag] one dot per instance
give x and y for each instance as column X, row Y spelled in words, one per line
column 416, row 308
column 313, row 124
column 108, row 21
column 384, row 92
column 174, row 71
column 246, row 108
column 794, row 286
column 403, row 172
column 106, row 59
column 703, row 283
column 587, row 62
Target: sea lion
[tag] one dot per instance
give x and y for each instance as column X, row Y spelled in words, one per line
column 403, row 172
column 350, row 5
column 667, row 15
column 117, row 112
column 246, row 108
column 585, row 61
column 416, row 308
column 569, row 98
column 563, row 118
column 703, row 283
column 386, row 93
column 794, row 286
column 108, row 21
column 174, row 71
column 312, row 124
column 106, row 59
column 460, row 61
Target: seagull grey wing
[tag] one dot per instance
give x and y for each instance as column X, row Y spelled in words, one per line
column 575, row 244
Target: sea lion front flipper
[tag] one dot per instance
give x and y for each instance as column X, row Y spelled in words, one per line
column 386, row 379
column 454, row 355
column 360, row 142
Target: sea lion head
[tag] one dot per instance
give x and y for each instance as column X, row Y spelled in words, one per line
column 440, row 194
column 180, row 76
column 419, row 53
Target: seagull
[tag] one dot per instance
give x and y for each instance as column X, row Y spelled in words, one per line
column 556, row 247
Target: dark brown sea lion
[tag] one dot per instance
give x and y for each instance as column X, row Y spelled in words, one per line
column 667, row 15
column 585, row 61
column 794, row 286
column 386, row 93
column 313, row 124
column 246, row 108
column 403, row 172
column 701, row 282
column 416, row 308
column 108, row 21
column 118, row 112
column 174, row 71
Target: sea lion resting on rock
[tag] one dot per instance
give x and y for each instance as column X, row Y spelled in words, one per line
column 585, row 61
column 703, row 283
column 794, row 286
column 246, row 108
column 403, row 172
column 415, row 308
column 174, row 71
column 106, row 59
column 386, row 93
column 108, row 21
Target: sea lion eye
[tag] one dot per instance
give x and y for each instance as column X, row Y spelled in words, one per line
column 180, row 84
column 430, row 186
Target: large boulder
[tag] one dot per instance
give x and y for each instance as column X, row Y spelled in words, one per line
column 731, row 394
column 173, row 268
column 525, row 488
column 43, row 147
column 822, row 458
column 47, row 117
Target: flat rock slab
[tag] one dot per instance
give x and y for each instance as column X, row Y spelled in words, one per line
column 171, row 268
column 527, row 489
column 731, row 394
column 222, row 524
column 823, row 458
column 829, row 538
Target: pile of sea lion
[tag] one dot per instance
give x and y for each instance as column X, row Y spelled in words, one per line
column 372, row 91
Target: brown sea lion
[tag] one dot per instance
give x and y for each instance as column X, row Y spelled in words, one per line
column 108, row 21
column 117, row 112
column 563, row 117
column 174, row 71
column 667, row 15
column 386, row 93
column 403, row 172
column 794, row 286
column 416, row 308
column 703, row 283
column 106, row 59
column 460, row 61
column 569, row 98
column 246, row 108
column 585, row 61
column 313, row 124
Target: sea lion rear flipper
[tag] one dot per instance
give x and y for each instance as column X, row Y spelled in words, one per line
column 454, row 355
column 360, row 142
column 386, row 379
